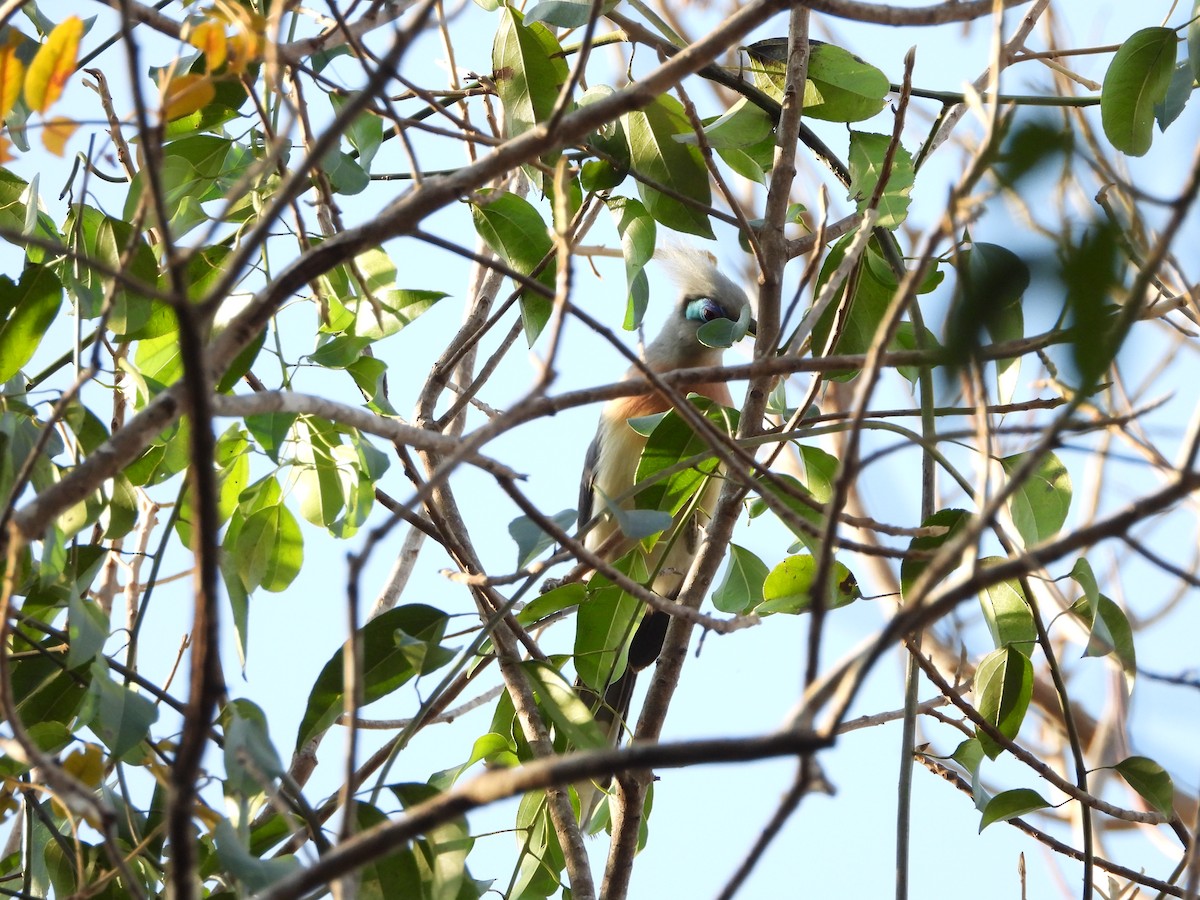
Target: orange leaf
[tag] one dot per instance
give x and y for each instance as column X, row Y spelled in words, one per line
column 209, row 38
column 185, row 94
column 57, row 132
column 53, row 65
column 246, row 45
column 12, row 72
column 5, row 150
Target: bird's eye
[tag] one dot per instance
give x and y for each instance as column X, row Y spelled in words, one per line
column 705, row 309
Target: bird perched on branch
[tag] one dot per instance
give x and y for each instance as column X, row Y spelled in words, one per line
column 711, row 313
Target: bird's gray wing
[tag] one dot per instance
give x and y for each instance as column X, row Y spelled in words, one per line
column 587, row 482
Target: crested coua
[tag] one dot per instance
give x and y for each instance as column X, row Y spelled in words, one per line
column 705, row 295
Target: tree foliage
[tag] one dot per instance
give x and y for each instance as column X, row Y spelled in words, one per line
column 270, row 338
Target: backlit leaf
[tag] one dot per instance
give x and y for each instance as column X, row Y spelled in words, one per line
column 53, row 64
column 1137, row 80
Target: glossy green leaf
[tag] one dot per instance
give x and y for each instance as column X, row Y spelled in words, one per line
column 494, row 749
column 741, row 588
column 1010, row 804
column 394, row 874
column 789, row 586
column 1136, row 81
column 441, row 853
column 840, row 87
column 948, row 523
column 251, row 762
column 34, row 302
column 1008, row 615
column 254, row 873
column 868, row 153
column 19, row 207
column 365, row 131
column 603, row 627
column 516, row 232
column 1193, row 40
column 1040, row 505
column 396, row 646
column 658, row 156
column 528, row 67
column 553, row 601
column 1151, row 781
column 266, row 548
column 672, row 442
column 97, row 236
column 569, row 713
column 88, row 631
column 724, row 333
column 118, row 716
column 566, row 13
column 531, row 540
column 345, row 176
column 1003, row 688
column 1109, row 633
column 638, row 234
column 1178, row 93
column 969, row 754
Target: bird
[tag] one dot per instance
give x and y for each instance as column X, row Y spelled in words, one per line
column 705, row 295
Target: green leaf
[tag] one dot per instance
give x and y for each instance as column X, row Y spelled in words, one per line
column 742, row 587
column 442, row 852
column 251, row 762
column 569, row 713
column 840, row 86
column 868, row 152
column 1010, row 804
column 1193, row 40
column 396, row 310
column 1039, row 506
column 1110, row 632
column 639, row 523
column 365, row 132
column 552, row 601
column 671, row 442
column 20, row 205
column 566, row 13
column 1151, row 781
column 395, row 874
column 516, row 232
column 345, row 175
column 724, row 333
column 118, row 716
column 88, row 631
column 530, row 538
column 97, row 236
column 1008, row 614
column 529, row 68
column 658, row 156
column 34, row 302
column 266, row 548
column 638, row 234
column 1090, row 271
column 992, row 281
column 1137, row 80
column 604, row 626
column 948, row 522
column 788, row 587
column 396, row 646
column 1178, row 94
column 1003, row 688
column 969, row 754
column 495, row 749
column 254, row 873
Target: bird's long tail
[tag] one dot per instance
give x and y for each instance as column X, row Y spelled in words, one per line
column 612, row 711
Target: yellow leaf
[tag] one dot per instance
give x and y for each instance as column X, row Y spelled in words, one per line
column 57, row 132
column 12, row 73
column 209, row 38
column 86, row 764
column 246, row 45
column 53, row 65
column 185, row 94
